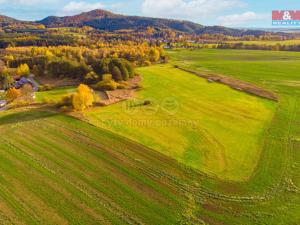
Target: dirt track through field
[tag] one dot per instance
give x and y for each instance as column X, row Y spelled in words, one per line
column 235, row 84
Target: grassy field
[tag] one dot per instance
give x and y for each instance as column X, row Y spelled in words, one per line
column 275, row 181
column 278, row 72
column 59, row 170
column 275, row 71
column 260, row 67
column 196, row 122
column 55, row 94
column 269, row 43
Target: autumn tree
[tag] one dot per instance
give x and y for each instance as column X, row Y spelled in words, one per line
column 26, row 90
column 35, row 70
column 23, row 70
column 154, row 55
column 41, row 27
column 150, row 31
column 6, row 79
column 12, row 94
column 8, row 59
column 83, row 98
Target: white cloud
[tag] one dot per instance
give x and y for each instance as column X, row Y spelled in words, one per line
column 242, row 19
column 188, row 9
column 78, row 7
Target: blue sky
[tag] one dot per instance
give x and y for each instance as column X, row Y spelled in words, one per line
column 233, row 13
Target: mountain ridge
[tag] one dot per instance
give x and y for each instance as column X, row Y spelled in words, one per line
column 108, row 21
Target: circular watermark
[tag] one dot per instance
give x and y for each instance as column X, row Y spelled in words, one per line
column 170, row 105
column 151, row 106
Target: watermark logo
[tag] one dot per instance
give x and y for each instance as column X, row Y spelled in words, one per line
column 142, row 113
column 151, row 106
column 286, row 18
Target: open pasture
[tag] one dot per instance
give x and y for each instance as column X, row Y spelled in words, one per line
column 269, row 43
column 204, row 125
column 59, row 170
column 55, row 95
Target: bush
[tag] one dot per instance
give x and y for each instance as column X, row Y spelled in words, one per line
column 122, row 85
column 106, row 85
column 107, row 77
column 147, row 102
column 147, row 63
column 65, row 101
column 64, row 109
column 45, row 87
column 91, row 78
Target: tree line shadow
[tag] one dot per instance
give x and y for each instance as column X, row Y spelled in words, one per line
column 26, row 116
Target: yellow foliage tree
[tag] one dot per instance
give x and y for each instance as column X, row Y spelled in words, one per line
column 23, row 70
column 41, row 27
column 154, row 55
column 8, row 59
column 83, row 98
column 12, row 94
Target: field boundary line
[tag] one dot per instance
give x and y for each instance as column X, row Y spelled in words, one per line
column 235, row 84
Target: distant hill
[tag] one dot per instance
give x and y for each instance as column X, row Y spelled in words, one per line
column 104, row 20
column 108, row 21
column 6, row 19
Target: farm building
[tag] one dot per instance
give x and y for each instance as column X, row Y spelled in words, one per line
column 23, row 81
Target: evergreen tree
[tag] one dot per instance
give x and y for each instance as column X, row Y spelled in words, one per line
column 116, row 73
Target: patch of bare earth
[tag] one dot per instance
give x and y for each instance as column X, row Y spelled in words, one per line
column 119, row 95
column 236, row 84
column 213, row 208
column 58, row 82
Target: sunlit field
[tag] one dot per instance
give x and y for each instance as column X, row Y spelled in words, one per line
column 208, row 126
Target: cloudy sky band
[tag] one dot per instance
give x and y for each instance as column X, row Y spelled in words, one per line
column 234, row 13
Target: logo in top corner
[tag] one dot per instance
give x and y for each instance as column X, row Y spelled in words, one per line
column 286, row 17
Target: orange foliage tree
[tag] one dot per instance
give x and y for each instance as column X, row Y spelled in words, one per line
column 12, row 94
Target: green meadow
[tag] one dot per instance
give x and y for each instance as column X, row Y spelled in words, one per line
column 207, row 126
column 55, row 95
column 275, row 71
column 199, row 153
column 59, row 170
column 269, row 43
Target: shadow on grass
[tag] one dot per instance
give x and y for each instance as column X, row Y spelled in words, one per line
column 25, row 116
